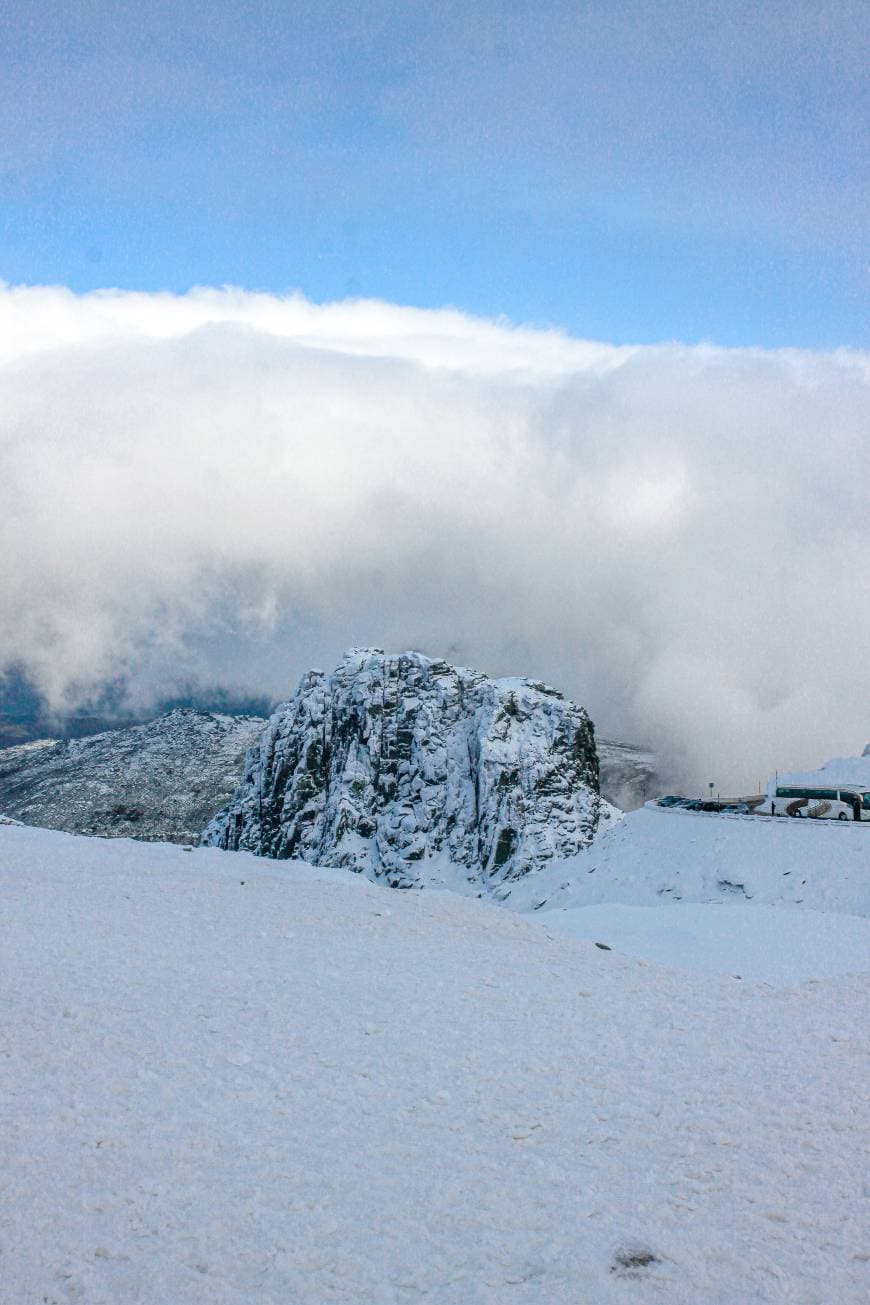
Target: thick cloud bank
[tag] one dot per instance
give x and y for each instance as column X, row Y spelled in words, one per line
column 228, row 487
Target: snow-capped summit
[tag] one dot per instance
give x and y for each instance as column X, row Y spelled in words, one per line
column 401, row 766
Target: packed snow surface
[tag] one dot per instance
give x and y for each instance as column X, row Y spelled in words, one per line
column 229, row 1080
column 769, row 943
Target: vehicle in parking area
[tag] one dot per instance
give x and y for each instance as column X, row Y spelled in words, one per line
column 736, row 808
column 670, row 801
column 821, row 803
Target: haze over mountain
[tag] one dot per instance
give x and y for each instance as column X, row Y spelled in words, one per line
column 668, row 533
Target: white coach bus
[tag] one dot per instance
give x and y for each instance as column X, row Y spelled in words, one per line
column 821, row 803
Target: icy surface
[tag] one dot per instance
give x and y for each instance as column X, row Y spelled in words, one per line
column 658, row 855
column 226, row 1081
column 163, row 780
column 395, row 766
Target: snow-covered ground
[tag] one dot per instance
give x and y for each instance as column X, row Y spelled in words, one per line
column 775, row 900
column 228, row 1080
column 770, row 944
column 658, row 855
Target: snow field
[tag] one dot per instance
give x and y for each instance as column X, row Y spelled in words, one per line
column 657, row 855
column 768, row 944
column 302, row 1087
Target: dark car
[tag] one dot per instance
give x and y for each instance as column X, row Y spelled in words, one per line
column 671, row 801
column 736, row 808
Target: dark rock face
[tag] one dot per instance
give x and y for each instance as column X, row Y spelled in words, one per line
column 405, row 768
column 160, row 781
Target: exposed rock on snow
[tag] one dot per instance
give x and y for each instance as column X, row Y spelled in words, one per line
column 393, row 763
column 164, row 780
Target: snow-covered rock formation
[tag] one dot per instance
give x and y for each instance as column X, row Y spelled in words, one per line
column 162, row 780
column 401, row 767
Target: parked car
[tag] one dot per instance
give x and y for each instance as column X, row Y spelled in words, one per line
column 736, row 808
column 671, row 801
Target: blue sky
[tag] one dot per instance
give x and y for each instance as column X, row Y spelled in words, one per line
column 629, row 171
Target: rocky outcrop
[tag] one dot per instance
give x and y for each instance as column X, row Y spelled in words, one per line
column 404, row 768
column 159, row 781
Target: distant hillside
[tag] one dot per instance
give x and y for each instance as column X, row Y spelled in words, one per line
column 162, row 780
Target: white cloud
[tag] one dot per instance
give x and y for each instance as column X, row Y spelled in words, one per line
column 230, row 486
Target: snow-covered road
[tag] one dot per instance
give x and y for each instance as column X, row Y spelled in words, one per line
column 229, row 1081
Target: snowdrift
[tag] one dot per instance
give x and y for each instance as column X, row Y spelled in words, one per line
column 230, row 1080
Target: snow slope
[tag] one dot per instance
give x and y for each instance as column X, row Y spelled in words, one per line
column 228, row 1080
column 660, row 854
